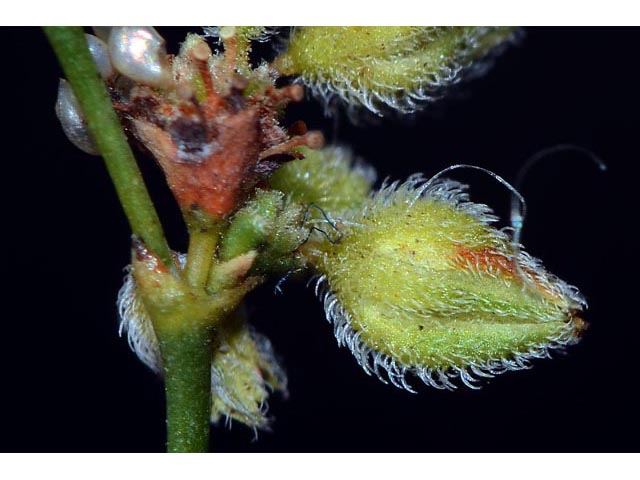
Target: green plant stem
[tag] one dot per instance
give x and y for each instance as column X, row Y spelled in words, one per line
column 185, row 344
column 186, row 356
column 199, row 257
column 203, row 240
column 70, row 47
column 186, row 350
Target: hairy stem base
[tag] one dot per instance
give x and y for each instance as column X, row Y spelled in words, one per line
column 186, row 356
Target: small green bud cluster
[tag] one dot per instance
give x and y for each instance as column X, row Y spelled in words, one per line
column 415, row 278
column 263, row 237
column 272, row 226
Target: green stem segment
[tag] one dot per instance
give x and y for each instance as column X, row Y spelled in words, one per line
column 186, row 350
column 204, row 234
column 184, row 334
column 73, row 54
column 202, row 245
column 186, row 356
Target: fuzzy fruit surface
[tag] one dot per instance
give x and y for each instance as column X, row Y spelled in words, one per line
column 429, row 282
column 328, row 178
column 385, row 66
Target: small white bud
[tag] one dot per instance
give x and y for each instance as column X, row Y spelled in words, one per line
column 100, row 53
column 72, row 121
column 139, row 53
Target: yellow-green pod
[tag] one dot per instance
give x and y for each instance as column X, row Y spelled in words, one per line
column 381, row 67
column 421, row 282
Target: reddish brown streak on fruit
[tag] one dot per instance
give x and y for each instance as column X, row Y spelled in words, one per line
column 484, row 259
column 490, row 259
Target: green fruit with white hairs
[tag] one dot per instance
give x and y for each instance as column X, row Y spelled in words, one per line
column 420, row 282
column 385, row 67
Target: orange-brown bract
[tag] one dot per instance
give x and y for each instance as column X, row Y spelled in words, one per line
column 215, row 132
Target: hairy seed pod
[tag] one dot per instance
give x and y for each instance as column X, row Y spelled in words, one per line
column 244, row 367
column 139, row 54
column 384, row 67
column 100, row 53
column 420, row 282
column 72, row 121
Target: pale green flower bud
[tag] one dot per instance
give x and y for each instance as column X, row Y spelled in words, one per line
column 243, row 373
column 420, row 282
column 328, row 178
column 269, row 225
column 378, row 67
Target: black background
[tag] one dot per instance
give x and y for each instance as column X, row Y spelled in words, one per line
column 69, row 383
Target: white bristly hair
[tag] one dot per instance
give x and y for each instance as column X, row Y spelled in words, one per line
column 329, row 88
column 372, row 361
column 255, row 419
column 136, row 323
column 388, row 369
